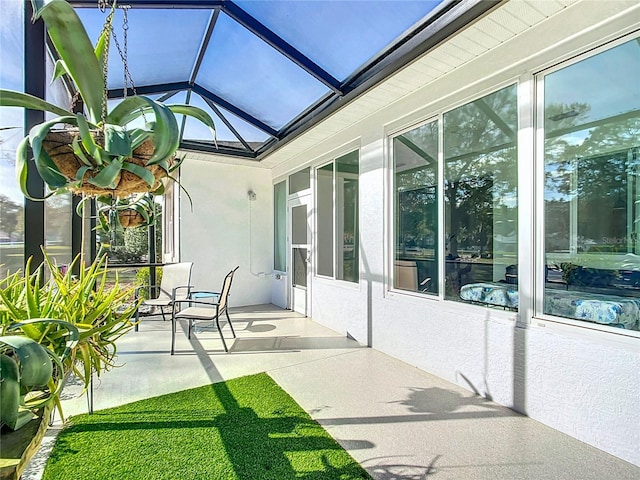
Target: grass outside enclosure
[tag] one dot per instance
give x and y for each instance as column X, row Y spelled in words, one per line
column 126, row 277
column 246, row 428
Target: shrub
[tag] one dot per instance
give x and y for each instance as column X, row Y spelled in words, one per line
column 142, row 281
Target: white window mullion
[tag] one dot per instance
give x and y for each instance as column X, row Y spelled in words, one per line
column 528, row 265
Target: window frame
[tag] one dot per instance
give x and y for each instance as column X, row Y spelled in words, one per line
column 332, row 160
column 538, row 125
column 392, row 208
column 437, row 114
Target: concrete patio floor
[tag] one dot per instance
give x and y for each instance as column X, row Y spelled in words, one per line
column 397, row 421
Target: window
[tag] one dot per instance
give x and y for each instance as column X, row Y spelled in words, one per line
column 58, row 209
column 11, row 121
column 479, row 194
column 591, row 188
column 280, row 226
column 480, row 198
column 300, row 181
column 337, row 218
column 415, row 156
column 324, row 220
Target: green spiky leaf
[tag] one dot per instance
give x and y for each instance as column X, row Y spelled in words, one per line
column 72, row 43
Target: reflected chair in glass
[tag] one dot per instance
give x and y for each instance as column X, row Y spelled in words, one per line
column 202, row 310
column 175, row 285
column 406, row 276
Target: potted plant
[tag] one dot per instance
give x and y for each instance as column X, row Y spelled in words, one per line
column 101, row 312
column 49, row 330
column 31, row 374
column 96, row 153
column 126, row 213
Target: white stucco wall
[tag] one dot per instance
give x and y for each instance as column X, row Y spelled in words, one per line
column 225, row 229
column 579, row 381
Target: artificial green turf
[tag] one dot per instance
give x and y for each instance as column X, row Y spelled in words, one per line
column 246, row 428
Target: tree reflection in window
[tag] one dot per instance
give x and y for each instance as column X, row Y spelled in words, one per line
column 480, row 191
column 592, row 195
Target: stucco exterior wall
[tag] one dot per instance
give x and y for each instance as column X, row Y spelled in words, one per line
column 582, row 382
column 226, row 229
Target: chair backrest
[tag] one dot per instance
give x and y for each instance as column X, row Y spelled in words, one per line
column 175, row 275
column 226, row 288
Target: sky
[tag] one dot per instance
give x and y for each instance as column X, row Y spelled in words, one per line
column 10, row 78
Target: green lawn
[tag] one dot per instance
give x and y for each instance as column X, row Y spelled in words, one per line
column 246, row 428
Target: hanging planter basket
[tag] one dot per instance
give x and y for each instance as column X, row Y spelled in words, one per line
column 129, row 218
column 91, row 165
column 58, row 144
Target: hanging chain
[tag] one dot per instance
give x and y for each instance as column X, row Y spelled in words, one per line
column 123, row 51
column 108, row 26
column 128, row 80
column 125, row 29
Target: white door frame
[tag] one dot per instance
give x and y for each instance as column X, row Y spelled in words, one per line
column 300, row 295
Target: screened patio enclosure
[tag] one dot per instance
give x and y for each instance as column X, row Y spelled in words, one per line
column 267, row 71
column 264, row 71
column 455, row 183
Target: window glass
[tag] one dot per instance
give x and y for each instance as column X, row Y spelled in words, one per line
column 592, row 192
column 300, row 181
column 415, row 156
column 324, row 220
column 152, row 37
column 337, row 218
column 299, row 257
column 196, row 130
column 347, row 244
column 299, row 225
column 11, row 77
column 280, row 227
column 480, row 200
column 58, row 209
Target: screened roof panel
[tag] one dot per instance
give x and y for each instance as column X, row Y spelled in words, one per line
column 247, row 131
column 272, row 69
column 195, row 130
column 340, row 36
column 162, row 44
column 244, row 70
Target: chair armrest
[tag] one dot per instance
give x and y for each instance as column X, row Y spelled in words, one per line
column 191, row 302
column 180, row 287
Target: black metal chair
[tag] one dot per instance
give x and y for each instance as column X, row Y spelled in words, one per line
column 201, row 310
column 175, row 285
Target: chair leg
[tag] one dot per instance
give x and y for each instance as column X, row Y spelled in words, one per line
column 164, row 319
column 173, row 334
column 137, row 317
column 224, row 344
column 190, row 326
column 229, row 321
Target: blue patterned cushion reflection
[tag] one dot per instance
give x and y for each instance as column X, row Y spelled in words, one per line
column 608, row 312
column 502, row 295
column 611, row 310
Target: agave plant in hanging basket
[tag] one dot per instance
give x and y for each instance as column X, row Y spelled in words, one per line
column 131, row 212
column 96, row 153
